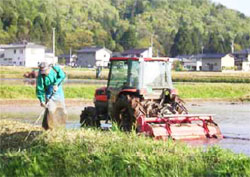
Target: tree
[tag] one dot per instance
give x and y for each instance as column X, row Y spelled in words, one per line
column 129, row 39
column 182, row 42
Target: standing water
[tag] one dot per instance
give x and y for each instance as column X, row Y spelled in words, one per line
column 233, row 120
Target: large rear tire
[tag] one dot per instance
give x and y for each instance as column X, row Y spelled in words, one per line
column 124, row 113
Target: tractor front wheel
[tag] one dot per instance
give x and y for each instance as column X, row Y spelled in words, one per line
column 124, row 113
column 89, row 117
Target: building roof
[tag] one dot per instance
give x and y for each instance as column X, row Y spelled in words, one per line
column 212, row 56
column 201, row 56
column 184, row 56
column 92, row 50
column 116, row 54
column 244, row 51
column 134, row 51
column 21, row 45
column 64, row 56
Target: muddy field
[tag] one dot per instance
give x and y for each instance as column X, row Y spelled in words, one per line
column 233, row 118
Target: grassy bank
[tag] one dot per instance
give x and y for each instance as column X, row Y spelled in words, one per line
column 85, row 73
column 29, row 92
column 186, row 90
column 214, row 90
column 89, row 152
column 214, row 77
column 72, row 73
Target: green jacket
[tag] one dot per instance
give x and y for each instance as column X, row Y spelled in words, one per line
column 53, row 78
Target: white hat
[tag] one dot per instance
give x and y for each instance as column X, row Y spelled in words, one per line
column 44, row 66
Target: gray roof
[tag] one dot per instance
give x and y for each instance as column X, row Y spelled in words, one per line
column 200, row 56
column 134, row 51
column 22, row 45
column 244, row 51
column 116, row 54
column 212, row 56
column 92, row 50
column 64, row 56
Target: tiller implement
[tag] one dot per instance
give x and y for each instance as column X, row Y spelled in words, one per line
column 140, row 95
column 179, row 127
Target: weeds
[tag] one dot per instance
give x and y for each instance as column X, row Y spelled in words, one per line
column 91, row 152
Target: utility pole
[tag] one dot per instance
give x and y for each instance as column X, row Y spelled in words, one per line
column 70, row 53
column 54, row 50
column 232, row 46
column 152, row 43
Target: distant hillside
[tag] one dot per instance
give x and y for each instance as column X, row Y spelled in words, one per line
column 174, row 26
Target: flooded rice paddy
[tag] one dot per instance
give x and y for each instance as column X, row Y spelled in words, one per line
column 232, row 118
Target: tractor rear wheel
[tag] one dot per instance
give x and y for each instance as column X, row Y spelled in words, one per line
column 124, row 113
column 89, row 117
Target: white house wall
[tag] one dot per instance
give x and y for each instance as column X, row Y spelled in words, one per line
column 198, row 65
column 34, row 56
column 246, row 66
column 102, row 58
column 227, row 61
column 16, row 55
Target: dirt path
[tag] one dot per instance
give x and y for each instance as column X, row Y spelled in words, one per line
column 14, row 102
column 30, row 109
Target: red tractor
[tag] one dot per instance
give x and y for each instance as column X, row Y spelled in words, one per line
column 140, row 95
column 32, row 74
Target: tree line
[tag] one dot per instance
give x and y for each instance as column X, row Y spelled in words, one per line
column 174, row 27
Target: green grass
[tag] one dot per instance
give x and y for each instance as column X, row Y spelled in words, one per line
column 90, row 152
column 214, row 90
column 214, row 77
column 29, row 92
column 186, row 90
column 13, row 71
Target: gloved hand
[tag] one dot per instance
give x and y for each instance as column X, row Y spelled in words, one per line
column 43, row 104
column 55, row 88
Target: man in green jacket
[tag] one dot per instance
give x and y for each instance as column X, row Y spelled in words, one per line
column 50, row 94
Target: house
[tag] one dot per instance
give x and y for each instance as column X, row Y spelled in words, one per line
column 144, row 53
column 190, row 62
column 93, row 56
column 116, row 54
column 67, row 59
column 217, row 62
column 242, row 60
column 50, row 57
column 22, row 54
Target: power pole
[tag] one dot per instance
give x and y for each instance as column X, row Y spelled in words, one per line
column 70, row 53
column 54, row 49
column 152, row 43
column 232, row 46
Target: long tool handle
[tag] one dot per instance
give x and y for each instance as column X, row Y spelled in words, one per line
column 39, row 117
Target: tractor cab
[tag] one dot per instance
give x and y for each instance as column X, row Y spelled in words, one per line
column 139, row 73
column 145, row 76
